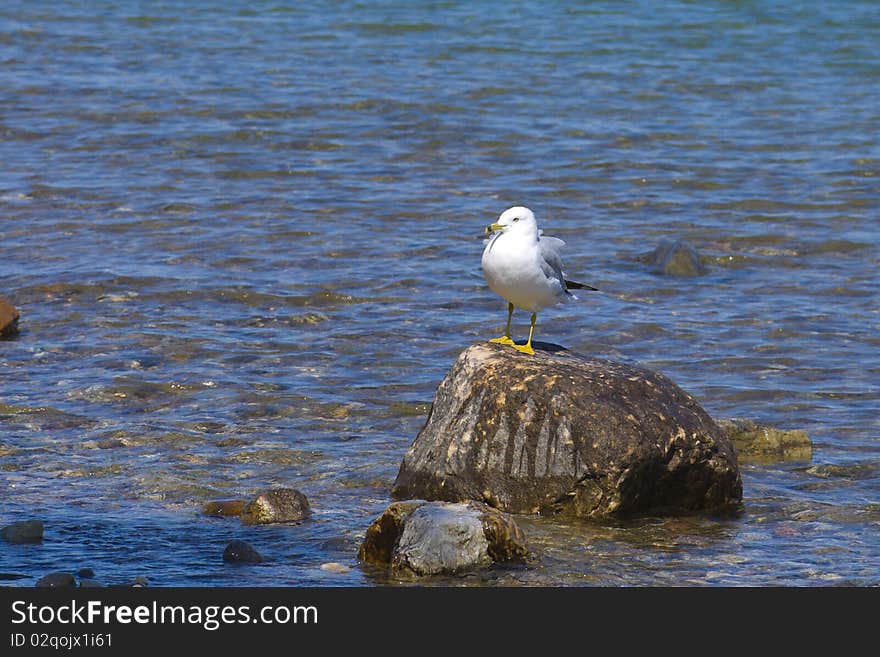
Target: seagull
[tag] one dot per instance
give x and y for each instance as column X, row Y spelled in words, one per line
column 523, row 266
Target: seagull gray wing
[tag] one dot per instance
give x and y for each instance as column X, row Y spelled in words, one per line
column 551, row 260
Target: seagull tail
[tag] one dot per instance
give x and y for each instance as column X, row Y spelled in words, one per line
column 574, row 285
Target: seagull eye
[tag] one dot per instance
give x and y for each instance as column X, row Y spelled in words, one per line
column 516, row 218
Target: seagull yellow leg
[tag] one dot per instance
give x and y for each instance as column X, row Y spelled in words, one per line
column 505, row 339
column 527, row 347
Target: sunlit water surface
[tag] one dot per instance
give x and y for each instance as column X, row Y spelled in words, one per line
column 243, row 239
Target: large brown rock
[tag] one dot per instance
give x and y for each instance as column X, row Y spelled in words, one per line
column 563, row 433
column 8, row 319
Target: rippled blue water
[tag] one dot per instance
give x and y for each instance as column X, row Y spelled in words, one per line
column 242, row 237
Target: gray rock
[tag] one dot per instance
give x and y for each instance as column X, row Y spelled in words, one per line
column 241, row 552
column 277, row 505
column 87, row 583
column 759, row 442
column 563, row 433
column 419, row 538
column 24, row 531
column 56, row 580
column 676, row 258
column 441, row 538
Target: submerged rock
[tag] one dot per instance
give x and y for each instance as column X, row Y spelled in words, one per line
column 335, row 567
column 88, row 583
column 224, row 508
column 277, row 505
column 849, row 471
column 417, row 538
column 759, row 442
column 676, row 258
column 563, row 433
column 241, row 552
column 88, row 573
column 8, row 319
column 56, row 580
column 23, row 531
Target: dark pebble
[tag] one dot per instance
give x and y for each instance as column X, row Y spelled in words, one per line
column 56, row 581
column 24, row 531
column 87, row 573
column 241, row 552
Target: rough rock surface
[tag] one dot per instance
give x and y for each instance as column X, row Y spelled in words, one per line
column 562, row 433
column 676, row 258
column 418, row 538
column 8, row 319
column 277, row 505
column 23, row 531
column 241, row 552
column 759, row 442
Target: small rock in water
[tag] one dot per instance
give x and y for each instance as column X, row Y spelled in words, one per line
column 418, row 538
column 24, row 531
column 334, row 567
column 139, row 581
column 8, row 319
column 56, row 580
column 88, row 573
column 241, row 552
column 676, row 258
column 277, row 505
column 759, row 442
column 850, row 471
column 110, row 443
column 87, row 583
column 224, row 508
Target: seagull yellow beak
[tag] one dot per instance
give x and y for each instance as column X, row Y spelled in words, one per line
column 491, row 228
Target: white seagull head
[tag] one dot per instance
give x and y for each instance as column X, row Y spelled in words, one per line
column 517, row 219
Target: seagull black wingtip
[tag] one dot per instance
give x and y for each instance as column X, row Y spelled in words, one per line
column 574, row 285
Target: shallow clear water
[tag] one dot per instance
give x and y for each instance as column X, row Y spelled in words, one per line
column 243, row 239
